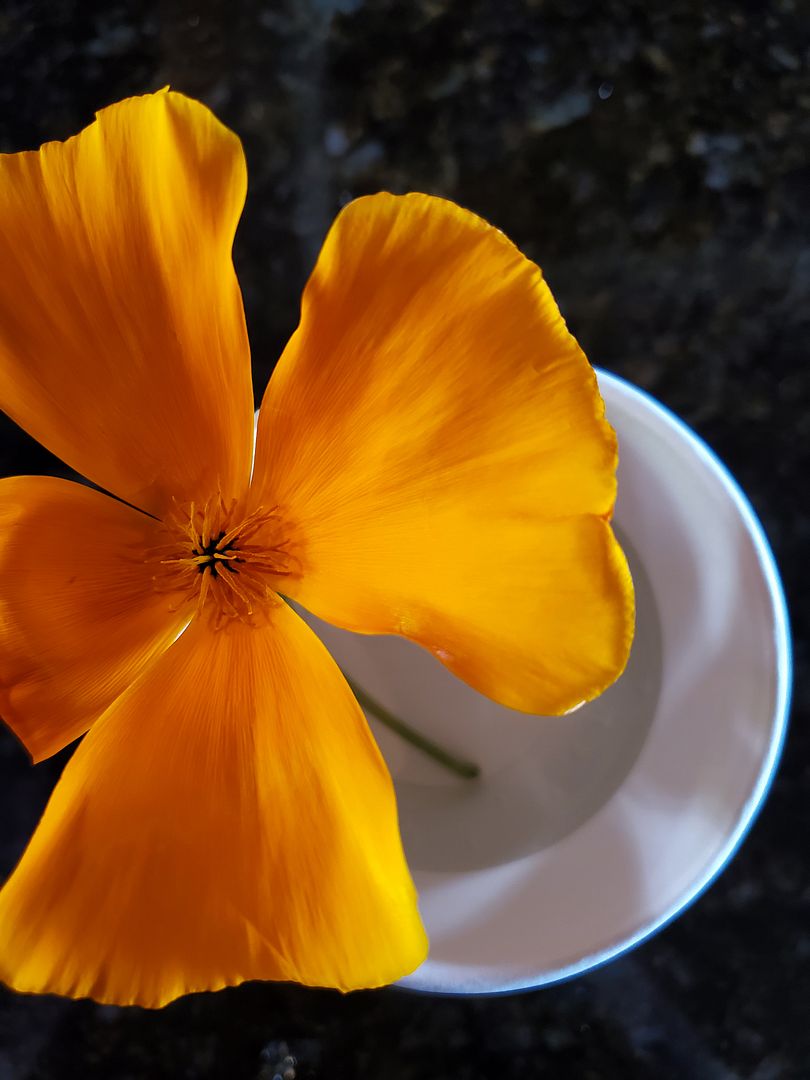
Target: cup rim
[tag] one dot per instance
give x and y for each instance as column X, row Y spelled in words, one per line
column 770, row 762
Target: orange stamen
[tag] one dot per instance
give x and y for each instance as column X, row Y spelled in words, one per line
column 206, row 556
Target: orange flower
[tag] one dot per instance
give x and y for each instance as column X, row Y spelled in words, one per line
column 432, row 460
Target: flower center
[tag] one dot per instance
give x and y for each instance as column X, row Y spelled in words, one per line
column 232, row 563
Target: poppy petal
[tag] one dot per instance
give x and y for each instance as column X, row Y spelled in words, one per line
column 228, row 818
column 123, row 346
column 437, row 440
column 79, row 616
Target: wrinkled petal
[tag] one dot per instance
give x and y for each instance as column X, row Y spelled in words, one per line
column 229, row 818
column 437, row 441
column 122, row 336
column 79, row 616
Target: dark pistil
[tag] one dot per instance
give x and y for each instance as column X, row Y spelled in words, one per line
column 211, row 549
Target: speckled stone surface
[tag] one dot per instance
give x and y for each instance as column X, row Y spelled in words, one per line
column 653, row 159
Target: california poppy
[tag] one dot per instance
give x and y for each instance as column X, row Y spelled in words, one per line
column 432, row 460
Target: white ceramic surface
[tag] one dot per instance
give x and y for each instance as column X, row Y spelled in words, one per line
column 586, row 833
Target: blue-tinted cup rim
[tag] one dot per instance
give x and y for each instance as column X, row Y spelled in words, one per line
column 781, row 712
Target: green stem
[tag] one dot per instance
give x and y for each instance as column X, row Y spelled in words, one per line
column 459, row 766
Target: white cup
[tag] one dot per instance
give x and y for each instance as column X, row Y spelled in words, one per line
column 586, row 834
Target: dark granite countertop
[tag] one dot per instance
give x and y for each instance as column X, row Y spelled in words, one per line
column 653, row 159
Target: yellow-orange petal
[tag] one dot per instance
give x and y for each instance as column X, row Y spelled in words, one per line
column 123, row 346
column 437, row 440
column 228, row 818
column 79, row 616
